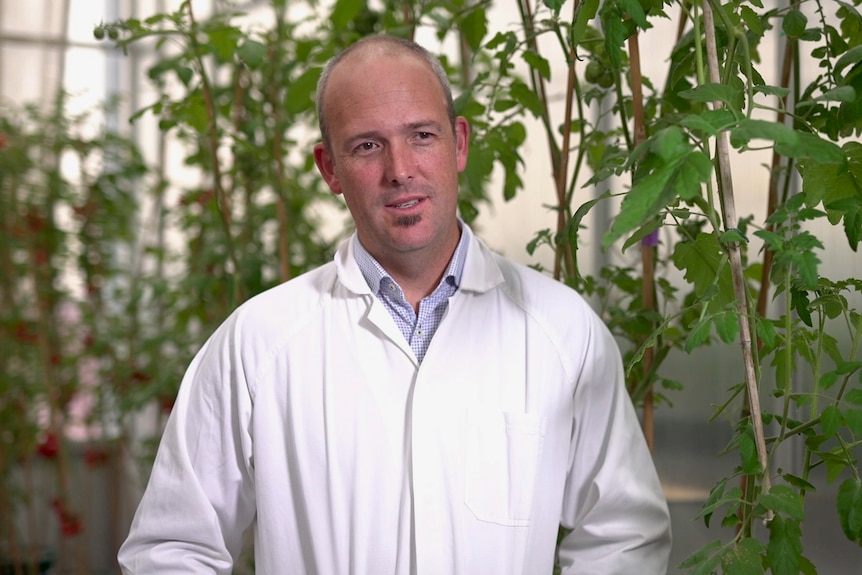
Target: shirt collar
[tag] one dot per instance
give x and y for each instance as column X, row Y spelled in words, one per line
column 374, row 273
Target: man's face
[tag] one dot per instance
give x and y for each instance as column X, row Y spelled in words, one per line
column 393, row 155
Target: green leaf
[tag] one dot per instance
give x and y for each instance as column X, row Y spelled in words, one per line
column 794, row 23
column 798, row 482
column 836, row 463
column 810, row 146
column 185, row 74
column 727, row 326
column 831, row 421
column 828, row 379
column 850, row 57
column 839, row 94
column 718, row 498
column 830, row 182
column 635, row 11
column 574, row 225
column 698, row 336
column 766, row 332
column 806, row 263
column 752, row 20
column 779, row 91
column 223, row 42
column 711, row 122
column 799, row 302
column 850, row 210
column 806, row 567
column 848, row 367
column 669, row 143
column 743, row 558
column 344, row 12
column 712, row 93
column 854, row 396
column 731, row 519
column 615, row 35
column 748, row 130
column 554, row 5
column 785, row 500
column 705, row 560
column 733, row 235
column 474, row 26
column 704, row 264
column 699, row 123
column 467, row 210
column 585, row 12
column 503, row 104
column 538, row 63
column 541, row 237
column 300, row 93
column 192, row 111
column 680, row 174
column 511, row 183
column 252, row 53
column 785, row 546
column 526, row 97
column 649, row 227
column 853, row 420
column 748, row 451
column 850, row 509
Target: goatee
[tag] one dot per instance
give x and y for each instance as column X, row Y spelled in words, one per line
column 408, row 221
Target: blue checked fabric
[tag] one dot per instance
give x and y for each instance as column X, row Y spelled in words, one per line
column 418, row 329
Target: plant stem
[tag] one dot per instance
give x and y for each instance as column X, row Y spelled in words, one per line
column 647, row 249
column 559, row 156
column 725, row 181
column 278, row 147
column 563, row 248
column 223, row 202
column 788, row 361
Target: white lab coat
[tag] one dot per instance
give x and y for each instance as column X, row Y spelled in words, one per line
column 307, row 415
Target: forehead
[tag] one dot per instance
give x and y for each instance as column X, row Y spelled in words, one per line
column 387, row 81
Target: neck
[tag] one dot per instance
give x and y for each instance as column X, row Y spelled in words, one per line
column 419, row 274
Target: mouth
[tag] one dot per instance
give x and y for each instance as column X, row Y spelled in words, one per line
column 406, row 204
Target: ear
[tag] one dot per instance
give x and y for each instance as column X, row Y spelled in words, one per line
column 462, row 142
column 326, row 167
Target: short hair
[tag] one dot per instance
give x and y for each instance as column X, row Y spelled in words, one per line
column 387, row 45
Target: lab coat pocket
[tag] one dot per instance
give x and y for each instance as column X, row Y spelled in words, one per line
column 503, row 451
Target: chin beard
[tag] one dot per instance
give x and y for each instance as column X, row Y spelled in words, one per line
column 408, row 221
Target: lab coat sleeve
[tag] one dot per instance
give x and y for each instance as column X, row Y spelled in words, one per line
column 613, row 502
column 199, row 499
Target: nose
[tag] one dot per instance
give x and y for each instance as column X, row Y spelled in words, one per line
column 399, row 164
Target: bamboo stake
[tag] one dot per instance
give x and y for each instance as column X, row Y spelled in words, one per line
column 774, row 178
column 647, row 246
column 725, row 184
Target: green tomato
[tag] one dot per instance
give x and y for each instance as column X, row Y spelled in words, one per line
column 99, row 33
column 113, row 33
column 594, row 71
column 605, row 79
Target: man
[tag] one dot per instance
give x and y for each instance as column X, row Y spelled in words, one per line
column 418, row 406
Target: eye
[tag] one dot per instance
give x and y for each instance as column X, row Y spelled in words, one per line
column 423, row 137
column 365, row 147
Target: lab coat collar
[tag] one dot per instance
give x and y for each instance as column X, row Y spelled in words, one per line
column 481, row 271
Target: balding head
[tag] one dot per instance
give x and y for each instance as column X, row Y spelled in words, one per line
column 380, row 47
